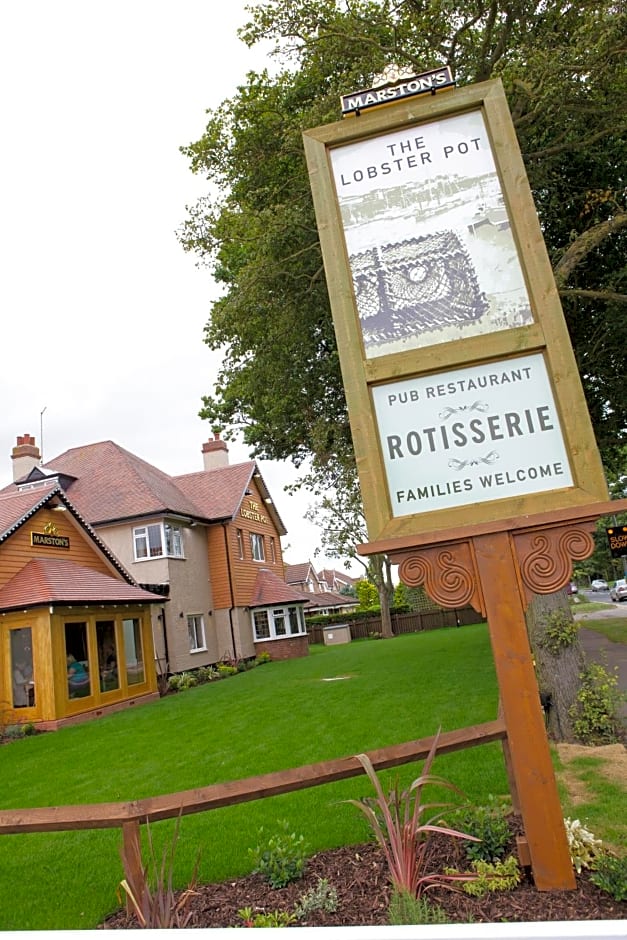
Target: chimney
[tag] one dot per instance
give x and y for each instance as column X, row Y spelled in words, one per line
column 25, row 455
column 215, row 453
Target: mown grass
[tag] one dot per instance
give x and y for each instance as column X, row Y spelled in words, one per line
column 614, row 628
column 600, row 801
column 276, row 716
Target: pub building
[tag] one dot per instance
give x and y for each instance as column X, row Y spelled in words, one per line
column 175, row 573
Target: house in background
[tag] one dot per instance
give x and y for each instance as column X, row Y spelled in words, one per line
column 208, row 543
column 321, row 599
column 75, row 629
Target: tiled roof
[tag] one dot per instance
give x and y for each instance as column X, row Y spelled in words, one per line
column 114, row 484
column 219, row 493
column 269, row 589
column 330, row 599
column 297, row 574
column 16, row 505
column 58, row 581
column 331, row 576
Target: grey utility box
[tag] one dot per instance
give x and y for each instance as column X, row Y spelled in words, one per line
column 338, row 633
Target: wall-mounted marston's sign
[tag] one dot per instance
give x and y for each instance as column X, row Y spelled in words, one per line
column 462, row 388
column 431, row 81
column 617, row 540
column 49, row 540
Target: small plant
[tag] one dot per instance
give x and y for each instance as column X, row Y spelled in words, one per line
column 283, row 859
column 405, row 908
column 206, row 673
column 501, row 875
column 150, row 893
column 224, row 670
column 173, row 683
column 582, row 844
column 595, row 712
column 402, row 827
column 610, row 875
column 489, row 824
column 187, row 680
column 265, row 919
column 263, row 658
column 560, row 631
column 323, row 897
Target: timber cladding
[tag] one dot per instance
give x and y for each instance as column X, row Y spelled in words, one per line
column 463, row 393
column 233, row 569
column 19, row 549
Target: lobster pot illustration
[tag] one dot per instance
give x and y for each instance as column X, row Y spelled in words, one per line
column 420, row 285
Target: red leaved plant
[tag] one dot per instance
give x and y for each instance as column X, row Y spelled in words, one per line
column 402, row 824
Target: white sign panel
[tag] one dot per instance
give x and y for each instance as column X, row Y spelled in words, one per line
column 428, row 235
column 470, row 435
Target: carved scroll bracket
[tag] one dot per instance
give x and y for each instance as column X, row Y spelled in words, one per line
column 448, row 573
column 545, row 557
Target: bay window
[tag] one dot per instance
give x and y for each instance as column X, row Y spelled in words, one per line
column 274, row 623
column 157, row 540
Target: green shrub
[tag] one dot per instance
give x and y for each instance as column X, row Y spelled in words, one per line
column 560, row 631
column 487, row 823
column 173, row 683
column 501, row 875
column 582, row 845
column 187, row 680
column 405, row 908
column 282, row 860
column 595, row 712
column 263, row 658
column 322, row 897
column 224, row 670
column 610, row 874
column 265, row 918
column 207, row 673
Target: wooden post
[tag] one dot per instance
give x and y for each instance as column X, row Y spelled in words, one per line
column 528, row 746
column 132, row 858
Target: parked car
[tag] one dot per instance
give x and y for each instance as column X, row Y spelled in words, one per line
column 619, row 591
column 599, row 585
column 571, row 588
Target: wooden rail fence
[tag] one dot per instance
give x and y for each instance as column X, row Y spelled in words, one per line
column 128, row 816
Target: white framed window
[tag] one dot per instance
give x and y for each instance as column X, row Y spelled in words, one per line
column 274, row 623
column 157, row 540
column 196, row 631
column 257, row 547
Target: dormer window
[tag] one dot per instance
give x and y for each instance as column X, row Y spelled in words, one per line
column 158, row 540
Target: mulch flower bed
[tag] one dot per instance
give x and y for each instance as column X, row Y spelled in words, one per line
column 359, row 875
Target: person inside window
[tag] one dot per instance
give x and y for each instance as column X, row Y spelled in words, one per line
column 77, row 678
column 22, row 675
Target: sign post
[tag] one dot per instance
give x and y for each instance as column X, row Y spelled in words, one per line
column 478, row 466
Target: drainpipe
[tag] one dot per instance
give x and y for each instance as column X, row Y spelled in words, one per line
column 228, row 568
column 165, row 640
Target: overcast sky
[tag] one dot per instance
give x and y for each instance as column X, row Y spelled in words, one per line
column 102, row 310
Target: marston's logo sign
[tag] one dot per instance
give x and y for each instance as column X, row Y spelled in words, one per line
column 50, row 537
column 617, row 539
column 431, row 81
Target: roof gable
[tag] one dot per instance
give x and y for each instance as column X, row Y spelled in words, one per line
column 219, row 493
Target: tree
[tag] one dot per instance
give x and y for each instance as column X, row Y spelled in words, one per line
column 562, row 66
column 339, row 515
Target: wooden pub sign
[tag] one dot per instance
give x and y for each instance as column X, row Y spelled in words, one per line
column 477, row 461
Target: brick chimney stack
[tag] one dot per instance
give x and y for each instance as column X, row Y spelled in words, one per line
column 215, row 453
column 25, row 455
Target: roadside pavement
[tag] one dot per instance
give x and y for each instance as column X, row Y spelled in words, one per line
column 601, row 650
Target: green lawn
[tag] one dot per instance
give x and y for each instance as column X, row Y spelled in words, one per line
column 614, row 628
column 276, row 716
